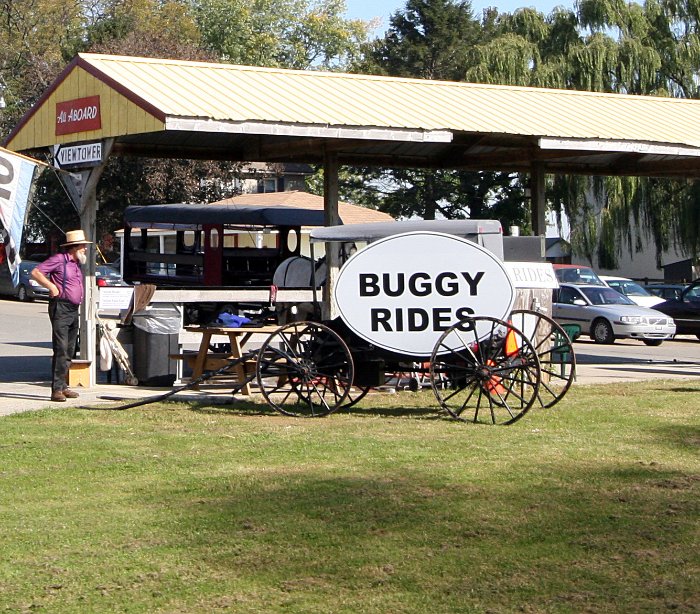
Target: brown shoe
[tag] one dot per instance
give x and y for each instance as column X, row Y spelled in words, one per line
column 70, row 394
column 58, row 396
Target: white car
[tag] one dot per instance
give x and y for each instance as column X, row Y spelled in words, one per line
column 605, row 315
column 632, row 290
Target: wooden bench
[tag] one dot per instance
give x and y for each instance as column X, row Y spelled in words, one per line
column 212, row 362
column 238, row 337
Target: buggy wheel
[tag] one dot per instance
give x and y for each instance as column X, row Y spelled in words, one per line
column 355, row 395
column 484, row 370
column 304, row 369
column 554, row 350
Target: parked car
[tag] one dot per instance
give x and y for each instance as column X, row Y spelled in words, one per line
column 685, row 310
column 577, row 274
column 666, row 291
column 108, row 275
column 27, row 289
column 632, row 290
column 605, row 315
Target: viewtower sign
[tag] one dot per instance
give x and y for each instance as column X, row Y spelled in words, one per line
column 84, row 155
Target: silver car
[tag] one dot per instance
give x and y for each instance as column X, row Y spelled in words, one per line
column 26, row 289
column 606, row 315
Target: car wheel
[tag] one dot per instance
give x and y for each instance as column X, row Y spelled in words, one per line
column 602, row 332
column 22, row 294
column 652, row 342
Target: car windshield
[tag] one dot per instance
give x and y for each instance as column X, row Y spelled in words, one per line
column 630, row 288
column 578, row 275
column 693, row 293
column 106, row 271
column 606, row 296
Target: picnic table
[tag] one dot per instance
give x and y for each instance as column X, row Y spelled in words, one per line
column 208, row 358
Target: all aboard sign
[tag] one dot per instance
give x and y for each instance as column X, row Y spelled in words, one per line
column 401, row 293
column 78, row 115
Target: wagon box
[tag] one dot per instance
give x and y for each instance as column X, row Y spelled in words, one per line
column 402, row 292
column 487, row 233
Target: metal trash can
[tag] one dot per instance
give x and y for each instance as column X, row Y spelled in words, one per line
column 155, row 338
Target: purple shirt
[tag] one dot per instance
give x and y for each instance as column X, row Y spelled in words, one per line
column 55, row 270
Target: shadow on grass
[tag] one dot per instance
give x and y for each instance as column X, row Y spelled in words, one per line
column 611, row 536
column 261, row 408
column 235, row 408
column 688, row 388
column 680, row 435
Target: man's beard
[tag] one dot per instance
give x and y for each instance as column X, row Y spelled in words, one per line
column 82, row 258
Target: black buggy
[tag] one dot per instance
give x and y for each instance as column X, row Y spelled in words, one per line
column 483, row 364
column 481, row 368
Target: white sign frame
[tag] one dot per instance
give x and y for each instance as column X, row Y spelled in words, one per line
column 402, row 292
column 532, row 275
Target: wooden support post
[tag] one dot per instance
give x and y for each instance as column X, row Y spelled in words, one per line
column 537, row 200
column 332, row 218
column 82, row 188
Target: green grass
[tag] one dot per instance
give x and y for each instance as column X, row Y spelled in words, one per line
column 590, row 507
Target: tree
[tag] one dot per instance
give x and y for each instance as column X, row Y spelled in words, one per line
column 287, row 33
column 610, row 46
column 147, row 28
column 428, row 40
column 431, row 39
column 33, row 36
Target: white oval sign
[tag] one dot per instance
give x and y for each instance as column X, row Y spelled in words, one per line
column 401, row 293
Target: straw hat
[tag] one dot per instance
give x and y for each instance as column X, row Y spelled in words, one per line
column 75, row 237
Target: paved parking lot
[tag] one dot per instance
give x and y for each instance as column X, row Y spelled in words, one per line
column 25, row 362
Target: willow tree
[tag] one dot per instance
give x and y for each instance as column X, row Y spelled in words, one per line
column 607, row 46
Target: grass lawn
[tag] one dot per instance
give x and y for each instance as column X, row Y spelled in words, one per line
column 387, row 508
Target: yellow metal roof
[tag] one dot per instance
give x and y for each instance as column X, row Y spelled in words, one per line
column 447, row 123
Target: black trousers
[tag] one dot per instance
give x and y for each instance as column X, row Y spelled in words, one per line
column 64, row 324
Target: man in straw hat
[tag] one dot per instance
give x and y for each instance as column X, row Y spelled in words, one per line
column 62, row 276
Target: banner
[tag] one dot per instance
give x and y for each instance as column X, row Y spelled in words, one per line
column 17, row 174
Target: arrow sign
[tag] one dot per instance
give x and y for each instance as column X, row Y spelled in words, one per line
column 85, row 155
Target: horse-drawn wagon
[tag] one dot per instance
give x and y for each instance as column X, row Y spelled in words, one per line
column 435, row 297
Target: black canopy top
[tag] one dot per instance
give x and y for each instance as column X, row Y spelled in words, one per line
column 371, row 231
column 173, row 215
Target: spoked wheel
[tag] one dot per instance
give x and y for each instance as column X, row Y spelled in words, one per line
column 554, row 350
column 355, row 395
column 485, row 370
column 304, row 369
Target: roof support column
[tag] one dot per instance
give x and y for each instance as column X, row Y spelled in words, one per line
column 82, row 189
column 537, row 200
column 331, row 218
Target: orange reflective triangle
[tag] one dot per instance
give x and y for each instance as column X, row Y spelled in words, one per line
column 511, row 348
